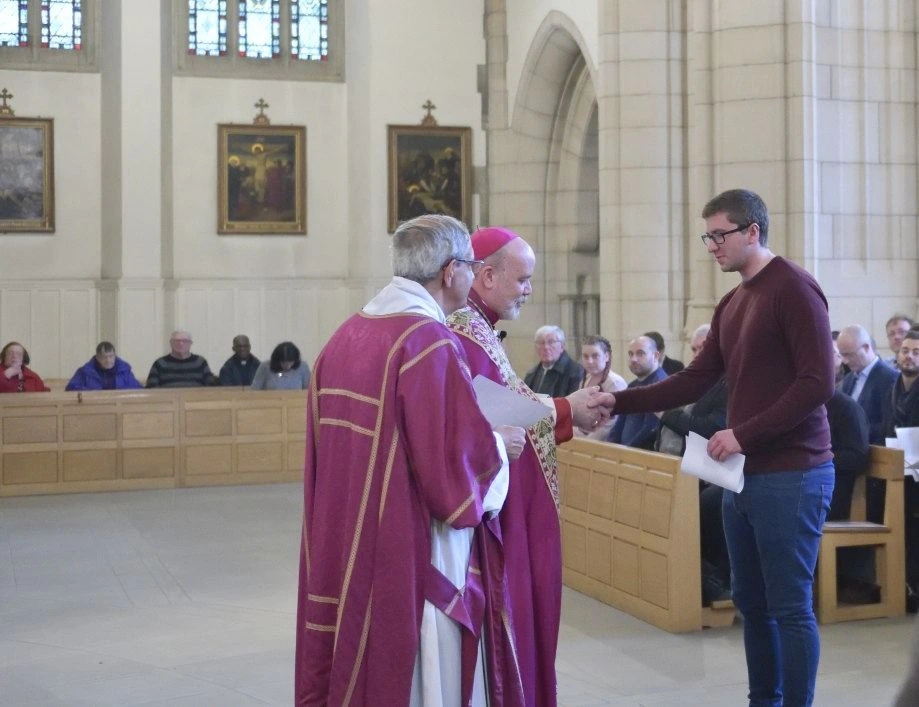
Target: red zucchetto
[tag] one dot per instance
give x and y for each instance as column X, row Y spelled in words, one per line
column 487, row 241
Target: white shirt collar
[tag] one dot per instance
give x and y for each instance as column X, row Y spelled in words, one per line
column 867, row 369
column 404, row 296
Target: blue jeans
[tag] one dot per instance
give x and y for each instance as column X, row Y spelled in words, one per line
column 773, row 530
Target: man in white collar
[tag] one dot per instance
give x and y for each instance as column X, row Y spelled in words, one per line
column 403, row 475
column 869, row 380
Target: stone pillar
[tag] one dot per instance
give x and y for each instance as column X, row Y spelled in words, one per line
column 642, row 193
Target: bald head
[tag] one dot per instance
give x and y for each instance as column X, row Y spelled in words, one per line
column 644, row 358
column 241, row 347
column 503, row 282
column 856, row 347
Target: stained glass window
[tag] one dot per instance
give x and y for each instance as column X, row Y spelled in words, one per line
column 14, row 23
column 259, row 28
column 207, row 27
column 62, row 24
column 309, row 29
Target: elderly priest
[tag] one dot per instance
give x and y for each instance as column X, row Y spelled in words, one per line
column 401, row 569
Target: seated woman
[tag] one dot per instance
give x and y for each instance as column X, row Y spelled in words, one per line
column 595, row 358
column 15, row 374
column 285, row 370
column 104, row 371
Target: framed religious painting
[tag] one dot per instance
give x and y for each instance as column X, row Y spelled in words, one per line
column 26, row 175
column 430, row 172
column 261, row 181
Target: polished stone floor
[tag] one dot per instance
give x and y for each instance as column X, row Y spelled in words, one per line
column 187, row 597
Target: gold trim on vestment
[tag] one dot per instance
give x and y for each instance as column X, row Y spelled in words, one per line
column 349, row 394
column 510, row 635
column 459, row 511
column 368, row 480
column 319, row 599
column 411, row 362
column 361, row 647
column 345, row 423
column 387, row 473
column 319, row 627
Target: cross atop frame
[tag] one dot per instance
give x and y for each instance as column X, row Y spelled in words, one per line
column 261, row 118
column 429, row 121
column 5, row 110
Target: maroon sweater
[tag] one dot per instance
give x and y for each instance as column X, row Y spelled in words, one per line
column 770, row 336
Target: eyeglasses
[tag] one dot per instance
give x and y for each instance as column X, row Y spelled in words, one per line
column 548, row 342
column 719, row 237
column 474, row 265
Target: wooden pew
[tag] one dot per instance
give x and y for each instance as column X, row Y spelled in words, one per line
column 630, row 537
column 886, row 538
column 630, row 534
column 128, row 440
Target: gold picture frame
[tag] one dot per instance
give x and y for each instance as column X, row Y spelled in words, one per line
column 261, row 179
column 430, row 172
column 26, row 175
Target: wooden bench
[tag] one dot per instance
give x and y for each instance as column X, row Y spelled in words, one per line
column 630, row 534
column 886, row 538
column 630, row 537
column 128, row 440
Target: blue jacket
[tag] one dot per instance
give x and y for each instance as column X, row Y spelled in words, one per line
column 638, row 429
column 88, row 378
column 874, row 398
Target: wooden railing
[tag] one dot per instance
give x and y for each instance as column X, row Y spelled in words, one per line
column 122, row 440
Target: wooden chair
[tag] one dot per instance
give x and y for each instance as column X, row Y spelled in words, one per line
column 887, row 540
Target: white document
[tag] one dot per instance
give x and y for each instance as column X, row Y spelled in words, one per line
column 502, row 406
column 696, row 462
column 908, row 440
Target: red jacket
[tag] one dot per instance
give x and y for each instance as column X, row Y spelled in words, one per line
column 31, row 382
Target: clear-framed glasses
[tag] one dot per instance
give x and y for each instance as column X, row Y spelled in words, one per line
column 474, row 265
column 718, row 237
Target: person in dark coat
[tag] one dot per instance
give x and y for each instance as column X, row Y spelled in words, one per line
column 556, row 374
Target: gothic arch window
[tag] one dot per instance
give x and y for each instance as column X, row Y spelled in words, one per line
column 270, row 39
column 58, row 35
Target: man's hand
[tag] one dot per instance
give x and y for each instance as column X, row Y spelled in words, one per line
column 515, row 439
column 590, row 407
column 722, row 445
column 13, row 371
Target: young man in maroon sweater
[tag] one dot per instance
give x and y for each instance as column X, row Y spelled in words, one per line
column 770, row 337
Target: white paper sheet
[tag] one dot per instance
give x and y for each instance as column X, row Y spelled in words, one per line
column 502, row 406
column 908, row 440
column 696, row 462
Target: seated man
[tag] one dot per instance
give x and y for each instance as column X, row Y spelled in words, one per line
column 904, row 412
column 670, row 365
column 180, row 368
column 869, row 379
column 705, row 417
column 849, row 440
column 240, row 368
column 896, row 329
column 104, row 371
column 640, row 429
column 556, row 375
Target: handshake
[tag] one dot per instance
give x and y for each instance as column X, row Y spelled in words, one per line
column 590, row 407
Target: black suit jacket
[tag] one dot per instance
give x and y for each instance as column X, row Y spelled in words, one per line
column 849, row 439
column 874, row 398
column 563, row 378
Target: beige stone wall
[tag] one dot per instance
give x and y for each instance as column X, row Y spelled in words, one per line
column 811, row 103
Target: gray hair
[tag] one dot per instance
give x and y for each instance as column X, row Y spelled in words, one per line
column 701, row 331
column 550, row 329
column 858, row 334
column 423, row 245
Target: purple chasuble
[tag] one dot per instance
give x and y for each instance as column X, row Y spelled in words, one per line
column 529, row 519
column 394, row 438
